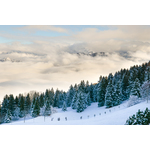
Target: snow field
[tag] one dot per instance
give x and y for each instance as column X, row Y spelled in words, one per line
column 93, row 115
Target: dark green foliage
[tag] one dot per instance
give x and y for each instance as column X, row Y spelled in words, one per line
column 125, row 85
column 141, row 118
column 118, row 97
column 108, row 95
column 74, row 101
column 95, row 93
column 4, row 106
column 36, row 109
column 41, row 100
column 91, row 92
column 47, row 111
column 88, row 99
column 136, row 88
column 101, row 91
column 80, row 102
column 56, row 98
column 69, row 96
column 21, row 106
column 11, row 104
column 8, row 116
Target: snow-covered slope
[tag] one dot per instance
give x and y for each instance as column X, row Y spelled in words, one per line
column 113, row 116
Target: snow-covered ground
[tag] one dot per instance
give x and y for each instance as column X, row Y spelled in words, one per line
column 114, row 116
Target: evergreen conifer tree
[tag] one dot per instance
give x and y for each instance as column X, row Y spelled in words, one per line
column 136, row 88
column 80, row 103
column 108, row 95
column 74, row 101
column 88, row 99
column 47, row 111
column 101, row 91
column 117, row 94
column 36, row 109
column 8, row 117
column 16, row 113
column 64, row 106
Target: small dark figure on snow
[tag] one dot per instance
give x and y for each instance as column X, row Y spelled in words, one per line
column 81, row 117
column 66, row 118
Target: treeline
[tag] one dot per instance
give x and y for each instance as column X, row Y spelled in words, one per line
column 110, row 91
column 141, row 118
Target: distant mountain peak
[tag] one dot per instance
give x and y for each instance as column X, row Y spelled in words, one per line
column 9, row 59
column 93, row 54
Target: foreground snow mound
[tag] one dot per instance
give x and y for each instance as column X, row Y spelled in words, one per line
column 93, row 115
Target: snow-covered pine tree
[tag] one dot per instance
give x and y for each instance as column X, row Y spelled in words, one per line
column 11, row 104
column 91, row 92
column 95, row 93
column 88, row 99
column 125, row 85
column 60, row 99
column 4, row 106
column 69, row 96
column 81, row 86
column 87, row 87
column 133, row 75
column 8, row 117
column 118, row 98
column 56, row 98
column 28, row 103
column 21, row 106
column 108, row 95
column 147, row 74
column 64, row 106
column 133, row 100
column 80, row 102
column 47, row 111
column 36, row 109
column 101, row 90
column 16, row 113
column 136, row 88
column 145, row 90
column 74, row 101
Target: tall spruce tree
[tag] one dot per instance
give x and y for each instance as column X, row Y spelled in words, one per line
column 108, row 95
column 47, row 111
column 118, row 97
column 136, row 88
column 64, row 106
column 21, row 106
column 8, row 116
column 74, row 101
column 88, row 99
column 36, row 109
column 70, row 95
column 101, row 91
column 80, row 102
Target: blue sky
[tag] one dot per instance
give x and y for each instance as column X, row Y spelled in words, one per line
column 15, row 30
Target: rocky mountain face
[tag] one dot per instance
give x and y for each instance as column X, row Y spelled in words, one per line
column 93, row 54
column 9, row 59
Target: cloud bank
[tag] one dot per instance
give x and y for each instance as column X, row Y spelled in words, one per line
column 52, row 61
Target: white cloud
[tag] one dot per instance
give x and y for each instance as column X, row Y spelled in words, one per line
column 43, row 28
column 47, row 62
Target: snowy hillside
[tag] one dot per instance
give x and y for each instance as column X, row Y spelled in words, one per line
column 113, row 116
